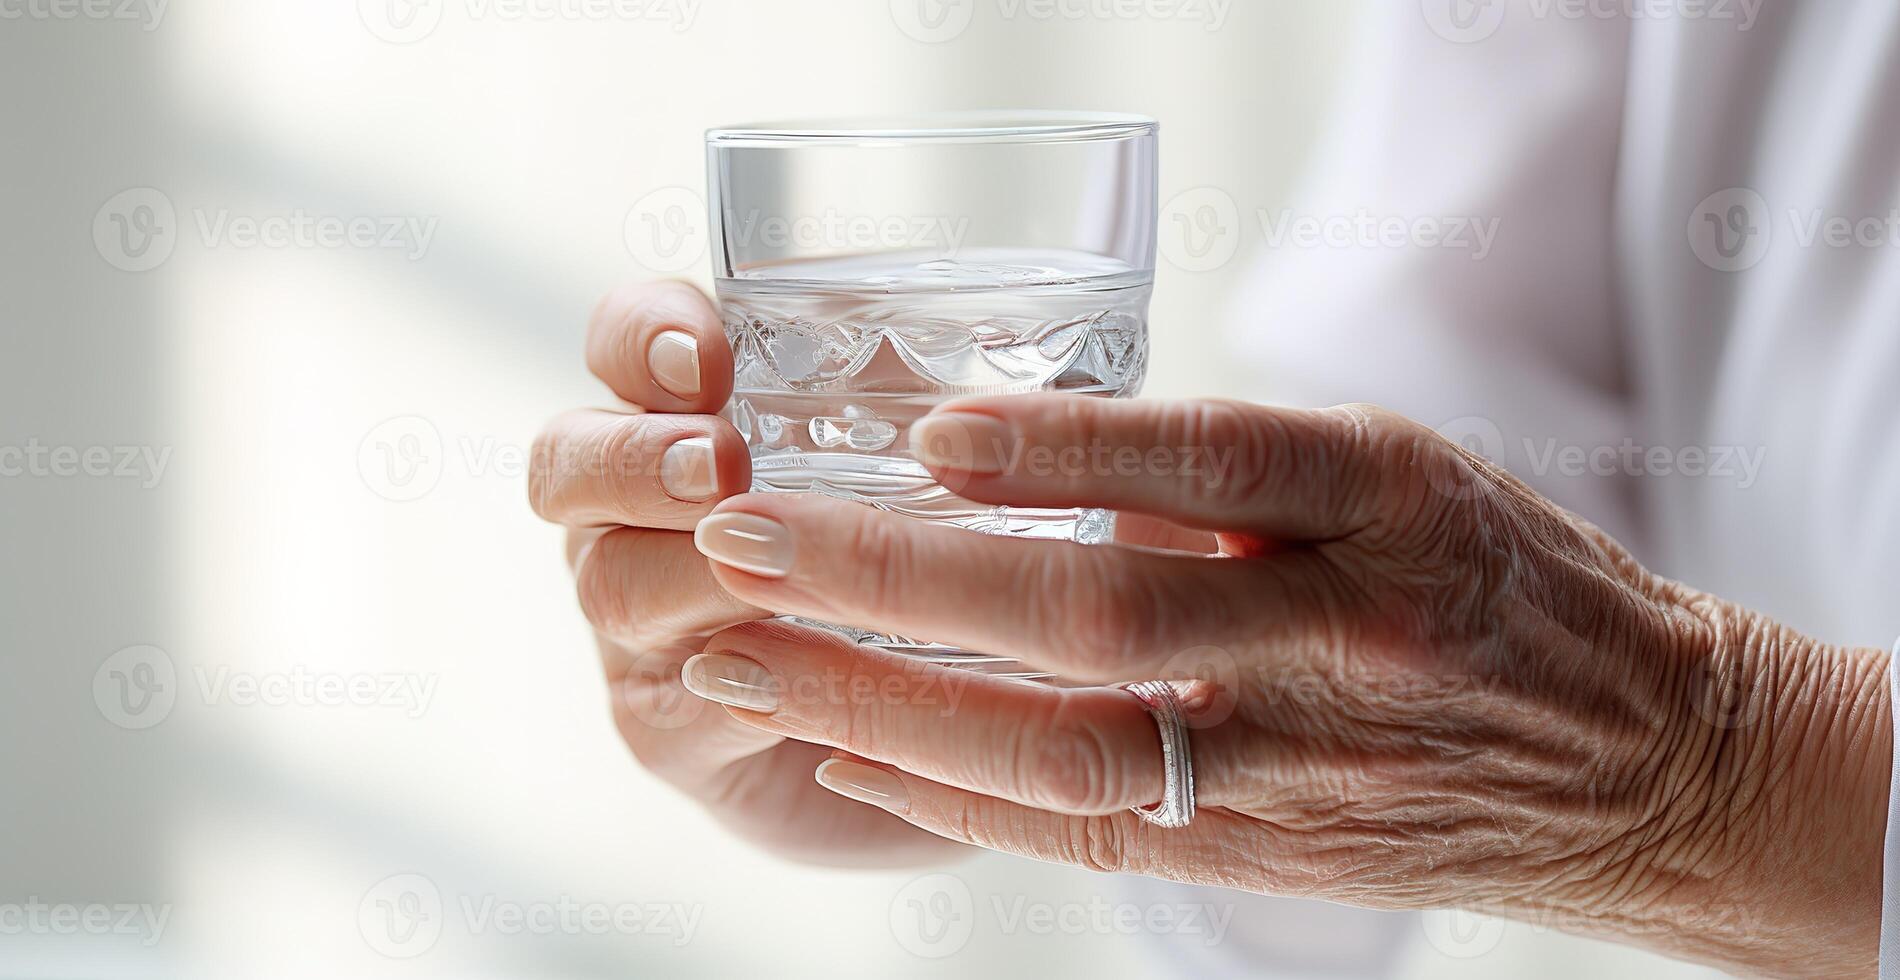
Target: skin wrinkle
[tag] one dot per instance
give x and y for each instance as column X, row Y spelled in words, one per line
column 884, row 564
column 616, row 450
column 602, row 584
column 1044, row 620
column 1103, row 845
column 1612, row 851
column 1011, row 744
column 1653, row 811
column 1252, row 476
column 1122, row 630
column 542, row 479
column 1580, row 780
column 1065, row 759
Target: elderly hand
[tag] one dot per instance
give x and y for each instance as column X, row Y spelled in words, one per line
column 629, row 483
column 1413, row 682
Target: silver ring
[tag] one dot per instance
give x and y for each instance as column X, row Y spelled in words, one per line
column 1177, row 762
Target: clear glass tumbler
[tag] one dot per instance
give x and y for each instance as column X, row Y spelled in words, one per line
column 870, row 269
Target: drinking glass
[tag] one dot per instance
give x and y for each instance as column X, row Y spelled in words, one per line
column 870, row 269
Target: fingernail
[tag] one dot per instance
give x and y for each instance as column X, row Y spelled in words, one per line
column 962, row 441
column 688, row 470
column 864, row 784
column 747, row 542
column 673, row 360
column 730, row 680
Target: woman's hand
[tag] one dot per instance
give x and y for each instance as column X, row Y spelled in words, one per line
column 629, row 483
column 1413, row 683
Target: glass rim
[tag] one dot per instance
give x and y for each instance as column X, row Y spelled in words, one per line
column 975, row 126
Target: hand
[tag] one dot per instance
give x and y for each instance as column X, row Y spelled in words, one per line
column 629, row 483
column 1414, row 683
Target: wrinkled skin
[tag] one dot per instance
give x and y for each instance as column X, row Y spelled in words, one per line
column 1413, row 681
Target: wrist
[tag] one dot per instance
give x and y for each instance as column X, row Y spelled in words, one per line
column 1779, row 805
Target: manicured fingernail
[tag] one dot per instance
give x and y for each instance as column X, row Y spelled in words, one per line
column 864, row 784
column 730, row 680
column 688, row 471
column 962, row 441
column 747, row 542
column 673, row 360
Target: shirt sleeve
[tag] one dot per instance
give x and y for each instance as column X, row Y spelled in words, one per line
column 1890, row 879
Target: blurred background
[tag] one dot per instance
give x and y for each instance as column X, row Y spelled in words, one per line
column 296, row 684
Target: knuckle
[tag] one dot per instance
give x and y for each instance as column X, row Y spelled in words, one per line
column 607, row 582
column 961, row 818
column 1069, row 770
column 1410, row 468
column 1364, row 416
column 851, row 716
column 624, row 462
column 1391, row 441
column 654, row 748
column 543, row 475
column 1257, row 440
column 1105, row 638
column 1118, row 622
column 1098, row 844
column 1357, row 428
column 1381, row 463
column 621, row 351
column 1055, row 626
column 882, row 553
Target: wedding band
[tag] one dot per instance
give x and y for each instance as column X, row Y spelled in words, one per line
column 1177, row 795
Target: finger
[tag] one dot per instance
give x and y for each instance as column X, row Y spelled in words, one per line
column 748, row 777
column 579, row 541
column 1073, row 750
column 1209, row 464
column 1209, row 849
column 661, row 346
column 642, row 588
column 672, row 733
column 1090, row 613
column 592, row 467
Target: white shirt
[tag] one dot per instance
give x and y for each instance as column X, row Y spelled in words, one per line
column 1666, row 190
